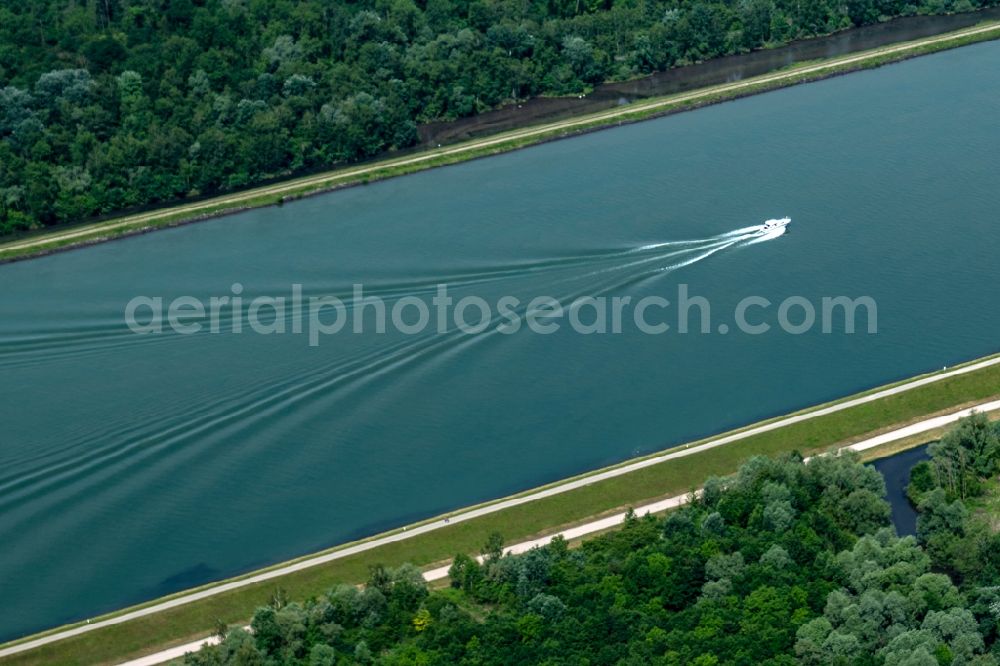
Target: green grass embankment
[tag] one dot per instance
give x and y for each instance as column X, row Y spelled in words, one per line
column 178, row 625
column 502, row 142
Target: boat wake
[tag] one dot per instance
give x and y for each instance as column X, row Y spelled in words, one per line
column 308, row 383
column 592, row 273
column 764, row 236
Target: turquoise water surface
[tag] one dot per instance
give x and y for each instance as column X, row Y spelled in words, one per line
column 136, row 465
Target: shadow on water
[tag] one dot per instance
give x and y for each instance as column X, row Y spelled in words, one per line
column 712, row 72
column 194, row 576
column 896, row 471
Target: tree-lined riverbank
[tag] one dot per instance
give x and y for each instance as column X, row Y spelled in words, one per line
column 288, row 190
column 105, row 109
column 783, row 562
column 105, row 639
column 117, row 450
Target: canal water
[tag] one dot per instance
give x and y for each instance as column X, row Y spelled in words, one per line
column 896, row 471
column 136, row 465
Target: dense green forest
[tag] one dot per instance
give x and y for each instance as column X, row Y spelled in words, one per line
column 111, row 104
column 784, row 563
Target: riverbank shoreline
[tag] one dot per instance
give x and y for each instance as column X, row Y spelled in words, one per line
column 701, row 74
column 575, row 535
column 179, row 618
column 290, row 190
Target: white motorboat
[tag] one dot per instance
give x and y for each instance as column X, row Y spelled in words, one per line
column 772, row 225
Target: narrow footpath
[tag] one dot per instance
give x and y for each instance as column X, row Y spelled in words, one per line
column 610, row 522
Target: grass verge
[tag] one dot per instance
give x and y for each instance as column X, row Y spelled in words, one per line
column 185, row 623
column 986, row 507
column 305, row 186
